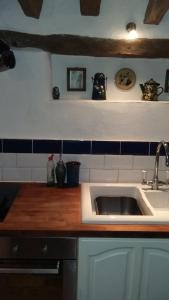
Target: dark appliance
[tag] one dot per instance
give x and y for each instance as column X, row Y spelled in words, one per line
column 8, row 192
column 41, row 268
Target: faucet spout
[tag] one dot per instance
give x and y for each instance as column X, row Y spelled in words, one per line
column 155, row 181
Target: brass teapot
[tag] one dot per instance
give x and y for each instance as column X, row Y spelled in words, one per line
column 150, row 90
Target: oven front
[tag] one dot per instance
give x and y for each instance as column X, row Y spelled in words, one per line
column 38, row 268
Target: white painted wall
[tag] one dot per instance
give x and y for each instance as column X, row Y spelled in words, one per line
column 26, row 107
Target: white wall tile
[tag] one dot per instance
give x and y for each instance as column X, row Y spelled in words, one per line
column 38, row 174
column 16, row 174
column 118, row 162
column 130, row 176
column 103, row 175
column 143, row 162
column 68, row 157
column 7, row 160
column 162, row 165
column 32, row 160
column 162, row 175
column 84, row 175
column 95, row 161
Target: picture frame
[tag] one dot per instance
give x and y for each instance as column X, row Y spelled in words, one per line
column 166, row 87
column 76, row 79
column 125, row 79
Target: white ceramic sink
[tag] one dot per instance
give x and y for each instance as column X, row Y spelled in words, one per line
column 159, row 200
column 154, row 205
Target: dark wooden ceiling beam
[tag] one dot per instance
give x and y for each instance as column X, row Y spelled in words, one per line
column 31, row 8
column 155, row 11
column 88, row 46
column 90, row 7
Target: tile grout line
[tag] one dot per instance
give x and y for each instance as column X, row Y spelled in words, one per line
column 120, row 148
column 2, row 143
column 32, row 146
column 91, row 147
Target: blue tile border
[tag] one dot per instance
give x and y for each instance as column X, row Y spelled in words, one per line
column 105, row 147
column 134, row 148
column 47, row 146
column 17, row 146
column 78, row 147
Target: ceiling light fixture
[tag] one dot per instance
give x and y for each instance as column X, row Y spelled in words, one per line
column 132, row 33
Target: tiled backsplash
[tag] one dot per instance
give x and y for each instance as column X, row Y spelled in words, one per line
column 101, row 161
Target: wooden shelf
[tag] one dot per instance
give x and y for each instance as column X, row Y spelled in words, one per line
column 109, row 101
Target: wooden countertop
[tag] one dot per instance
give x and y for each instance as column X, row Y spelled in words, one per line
column 39, row 209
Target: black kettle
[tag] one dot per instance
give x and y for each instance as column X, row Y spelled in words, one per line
column 99, row 87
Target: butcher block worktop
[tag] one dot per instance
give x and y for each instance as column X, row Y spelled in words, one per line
column 39, row 209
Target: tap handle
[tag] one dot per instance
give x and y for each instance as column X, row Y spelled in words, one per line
column 144, row 177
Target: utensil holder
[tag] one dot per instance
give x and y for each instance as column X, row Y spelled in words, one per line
column 72, row 173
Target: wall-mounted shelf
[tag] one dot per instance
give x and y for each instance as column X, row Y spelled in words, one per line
column 109, row 101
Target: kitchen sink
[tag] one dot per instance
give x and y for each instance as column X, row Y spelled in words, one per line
column 107, row 205
column 159, row 200
column 8, row 192
column 124, row 203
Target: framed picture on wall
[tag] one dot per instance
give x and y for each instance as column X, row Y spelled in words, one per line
column 166, row 88
column 76, row 79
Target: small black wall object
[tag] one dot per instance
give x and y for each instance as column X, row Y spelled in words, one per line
column 99, row 87
column 55, row 93
column 7, row 58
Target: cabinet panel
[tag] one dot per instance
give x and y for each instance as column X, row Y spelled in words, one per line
column 110, row 275
column 106, row 270
column 155, row 275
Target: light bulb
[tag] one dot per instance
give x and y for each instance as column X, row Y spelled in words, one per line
column 132, row 33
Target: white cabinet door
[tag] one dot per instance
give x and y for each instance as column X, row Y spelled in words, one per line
column 123, row 269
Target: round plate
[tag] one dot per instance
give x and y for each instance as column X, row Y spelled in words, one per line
column 125, row 79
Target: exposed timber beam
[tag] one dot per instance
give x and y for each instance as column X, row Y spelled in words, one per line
column 31, row 8
column 90, row 7
column 155, row 11
column 88, row 46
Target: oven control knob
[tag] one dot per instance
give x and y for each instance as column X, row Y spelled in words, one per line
column 15, row 248
column 45, row 249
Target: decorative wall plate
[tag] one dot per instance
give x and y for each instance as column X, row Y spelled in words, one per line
column 125, row 79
